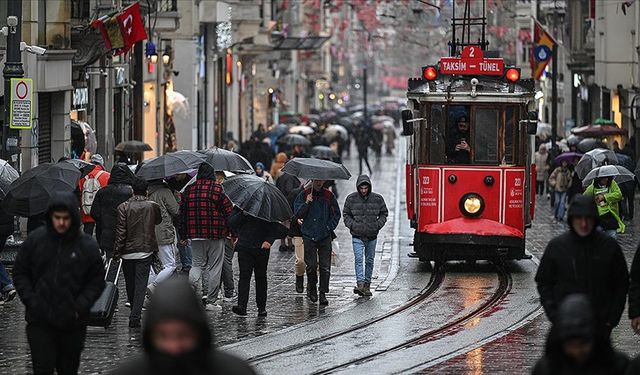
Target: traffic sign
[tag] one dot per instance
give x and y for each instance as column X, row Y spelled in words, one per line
column 21, row 109
column 472, row 62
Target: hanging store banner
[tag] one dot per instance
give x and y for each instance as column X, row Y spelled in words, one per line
column 542, row 51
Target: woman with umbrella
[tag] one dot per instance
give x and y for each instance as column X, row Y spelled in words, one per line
column 260, row 208
column 607, row 194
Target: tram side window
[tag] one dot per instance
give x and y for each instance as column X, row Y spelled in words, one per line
column 436, row 141
column 485, row 150
column 510, row 139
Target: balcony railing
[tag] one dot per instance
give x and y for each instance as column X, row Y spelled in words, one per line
column 167, row 5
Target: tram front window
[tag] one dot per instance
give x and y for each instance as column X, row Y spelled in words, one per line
column 486, row 136
column 458, row 145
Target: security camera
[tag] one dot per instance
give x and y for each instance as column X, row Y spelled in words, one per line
column 12, row 21
column 32, row 49
column 474, row 81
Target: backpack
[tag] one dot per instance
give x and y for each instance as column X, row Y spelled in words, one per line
column 89, row 190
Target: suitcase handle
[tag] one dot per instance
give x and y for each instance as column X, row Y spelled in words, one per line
column 106, row 274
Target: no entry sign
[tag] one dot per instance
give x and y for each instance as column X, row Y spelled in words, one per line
column 21, row 104
column 472, row 62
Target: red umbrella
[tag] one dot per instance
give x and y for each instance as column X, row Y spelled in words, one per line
column 596, row 131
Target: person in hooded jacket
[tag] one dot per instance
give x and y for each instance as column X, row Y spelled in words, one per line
column 584, row 260
column 104, row 209
column 255, row 237
column 574, row 345
column 364, row 213
column 58, row 274
column 176, row 338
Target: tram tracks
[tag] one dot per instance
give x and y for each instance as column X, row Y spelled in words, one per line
column 503, row 289
column 436, row 279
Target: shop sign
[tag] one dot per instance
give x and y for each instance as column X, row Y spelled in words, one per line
column 80, row 98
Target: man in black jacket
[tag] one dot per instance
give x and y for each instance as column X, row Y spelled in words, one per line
column 634, row 294
column 58, row 274
column 364, row 213
column 177, row 339
column 584, row 260
column 255, row 237
column 104, row 209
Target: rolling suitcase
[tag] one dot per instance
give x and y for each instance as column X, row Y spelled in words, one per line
column 101, row 312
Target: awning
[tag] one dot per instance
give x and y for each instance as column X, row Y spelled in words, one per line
column 292, row 43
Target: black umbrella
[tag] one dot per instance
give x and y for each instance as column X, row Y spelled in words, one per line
column 316, row 169
column 8, row 174
column 323, row 152
column 293, row 140
column 30, row 194
column 589, row 144
column 258, row 198
column 133, row 147
column 225, row 160
column 84, row 167
column 170, row 164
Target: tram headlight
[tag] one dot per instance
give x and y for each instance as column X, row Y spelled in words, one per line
column 471, row 205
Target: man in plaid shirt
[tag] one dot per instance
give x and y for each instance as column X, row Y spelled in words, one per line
column 203, row 219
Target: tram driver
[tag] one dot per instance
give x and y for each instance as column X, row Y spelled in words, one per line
column 458, row 148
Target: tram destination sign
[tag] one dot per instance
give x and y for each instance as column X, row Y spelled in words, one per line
column 472, row 62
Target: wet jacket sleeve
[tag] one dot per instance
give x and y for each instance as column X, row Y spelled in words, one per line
column 384, row 213
column 157, row 213
column 552, row 178
column 22, row 277
column 94, row 282
column 546, row 280
column 121, row 230
column 235, row 221
column 589, row 191
column 347, row 215
column 620, row 283
column 171, row 204
column 300, row 206
column 182, row 220
column 614, row 195
column 96, row 207
column 634, row 286
column 334, row 219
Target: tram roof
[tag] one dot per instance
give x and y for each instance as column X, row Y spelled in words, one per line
column 459, row 89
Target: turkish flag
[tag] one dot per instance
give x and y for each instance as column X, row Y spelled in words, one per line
column 131, row 27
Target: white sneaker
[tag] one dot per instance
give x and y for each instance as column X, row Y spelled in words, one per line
column 127, row 304
column 213, row 307
column 232, row 298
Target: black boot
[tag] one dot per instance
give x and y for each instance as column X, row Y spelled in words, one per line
column 312, row 293
column 299, row 284
column 239, row 310
column 323, row 299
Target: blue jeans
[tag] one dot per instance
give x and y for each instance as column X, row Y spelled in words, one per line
column 560, row 204
column 185, row 254
column 5, row 281
column 366, row 250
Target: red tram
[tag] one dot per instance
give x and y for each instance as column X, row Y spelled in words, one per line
column 469, row 180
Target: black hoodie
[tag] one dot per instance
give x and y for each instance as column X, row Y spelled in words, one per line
column 575, row 320
column 175, row 299
column 59, row 277
column 104, row 209
column 365, row 215
column 206, row 171
column 593, row 265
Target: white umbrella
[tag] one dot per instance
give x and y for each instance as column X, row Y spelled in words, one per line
column 301, row 129
column 620, row 174
column 333, row 131
column 593, row 159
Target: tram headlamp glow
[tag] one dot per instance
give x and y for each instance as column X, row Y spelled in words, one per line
column 471, row 205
